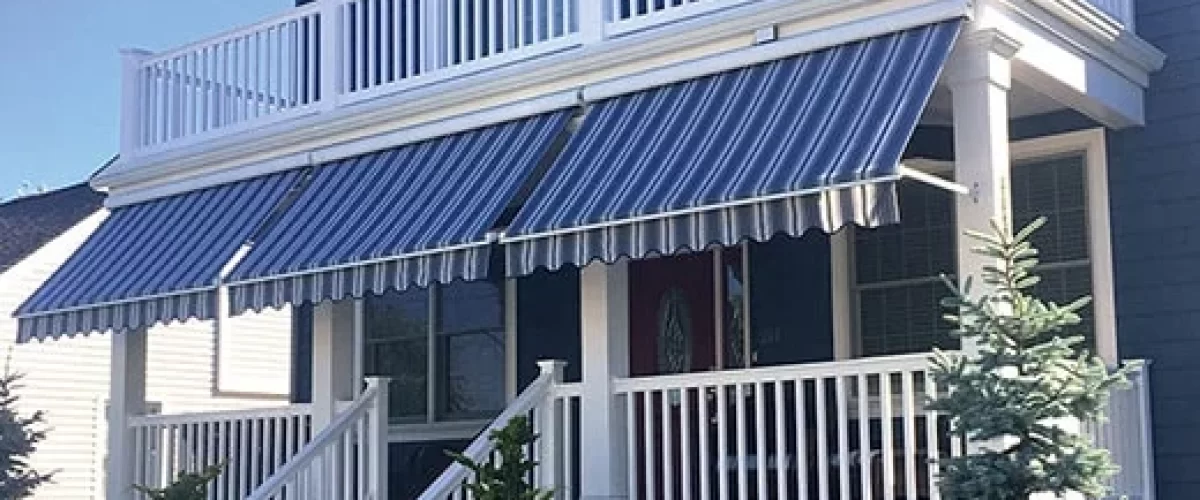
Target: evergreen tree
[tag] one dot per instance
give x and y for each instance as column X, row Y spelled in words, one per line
column 188, row 486
column 19, row 437
column 1028, row 373
column 504, row 478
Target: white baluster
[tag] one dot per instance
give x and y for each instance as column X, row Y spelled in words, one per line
column 910, row 435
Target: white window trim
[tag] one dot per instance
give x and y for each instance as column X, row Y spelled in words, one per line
column 1091, row 143
column 442, row 430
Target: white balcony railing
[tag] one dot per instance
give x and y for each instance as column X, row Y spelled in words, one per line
column 251, row 445
column 334, row 53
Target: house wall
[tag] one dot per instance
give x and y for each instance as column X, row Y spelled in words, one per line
column 68, row 378
column 1155, row 197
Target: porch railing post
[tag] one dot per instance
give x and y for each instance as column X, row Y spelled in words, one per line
column 1145, row 431
column 378, row 435
column 332, row 39
column 592, row 19
column 134, row 106
column 551, row 425
column 127, row 398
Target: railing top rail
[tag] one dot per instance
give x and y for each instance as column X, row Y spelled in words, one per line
column 570, row 390
column 905, row 362
column 280, row 18
column 221, row 416
column 478, row 450
column 323, row 439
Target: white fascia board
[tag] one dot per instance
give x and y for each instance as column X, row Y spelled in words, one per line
column 563, row 75
column 1076, row 59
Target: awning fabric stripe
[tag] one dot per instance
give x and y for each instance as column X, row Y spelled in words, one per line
column 811, row 141
column 152, row 262
column 403, row 217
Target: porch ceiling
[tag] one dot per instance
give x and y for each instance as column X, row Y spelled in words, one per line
column 1023, row 101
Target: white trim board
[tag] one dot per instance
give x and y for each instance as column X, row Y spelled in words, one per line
column 1091, row 143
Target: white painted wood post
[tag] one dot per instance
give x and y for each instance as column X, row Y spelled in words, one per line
column 605, row 338
column 133, row 107
column 126, row 398
column 552, row 429
column 333, row 359
column 979, row 77
column 378, row 457
column 330, row 53
column 592, row 20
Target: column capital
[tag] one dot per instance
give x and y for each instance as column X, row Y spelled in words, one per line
column 983, row 55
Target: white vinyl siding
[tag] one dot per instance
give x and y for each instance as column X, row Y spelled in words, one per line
column 68, row 377
column 247, row 340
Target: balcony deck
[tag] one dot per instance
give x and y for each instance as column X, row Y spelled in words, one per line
column 341, row 60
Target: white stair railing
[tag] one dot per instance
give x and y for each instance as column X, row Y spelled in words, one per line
column 547, row 407
column 250, row 445
column 345, row 461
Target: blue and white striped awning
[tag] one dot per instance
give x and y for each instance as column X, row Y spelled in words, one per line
column 393, row 219
column 812, row 141
column 157, row 261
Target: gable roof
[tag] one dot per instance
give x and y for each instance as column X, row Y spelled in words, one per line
column 28, row 223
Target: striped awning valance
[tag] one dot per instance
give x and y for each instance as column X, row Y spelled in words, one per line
column 153, row 262
column 812, row 141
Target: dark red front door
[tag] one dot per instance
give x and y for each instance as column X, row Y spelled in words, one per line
column 671, row 315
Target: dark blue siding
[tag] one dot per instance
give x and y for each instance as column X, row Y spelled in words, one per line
column 1154, row 183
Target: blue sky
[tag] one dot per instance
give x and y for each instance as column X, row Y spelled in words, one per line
column 60, row 75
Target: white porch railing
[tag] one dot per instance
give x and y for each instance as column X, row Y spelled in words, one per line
column 250, row 444
column 1127, row 434
column 347, row 460
column 548, row 403
column 847, row 429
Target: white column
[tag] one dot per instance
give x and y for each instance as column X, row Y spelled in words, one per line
column 126, row 398
column 979, row 77
column 605, row 341
column 333, row 359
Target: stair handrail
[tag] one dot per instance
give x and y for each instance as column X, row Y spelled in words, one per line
column 535, row 395
column 371, row 403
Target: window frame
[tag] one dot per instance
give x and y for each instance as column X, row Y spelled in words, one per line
column 1092, row 146
column 1088, row 143
column 433, row 428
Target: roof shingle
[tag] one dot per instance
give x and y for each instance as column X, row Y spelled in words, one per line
column 28, row 223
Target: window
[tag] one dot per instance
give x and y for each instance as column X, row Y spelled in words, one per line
column 896, row 285
column 443, row 347
column 897, row 270
column 1055, row 188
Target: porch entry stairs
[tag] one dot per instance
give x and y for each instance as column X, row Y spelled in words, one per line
column 854, row 429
